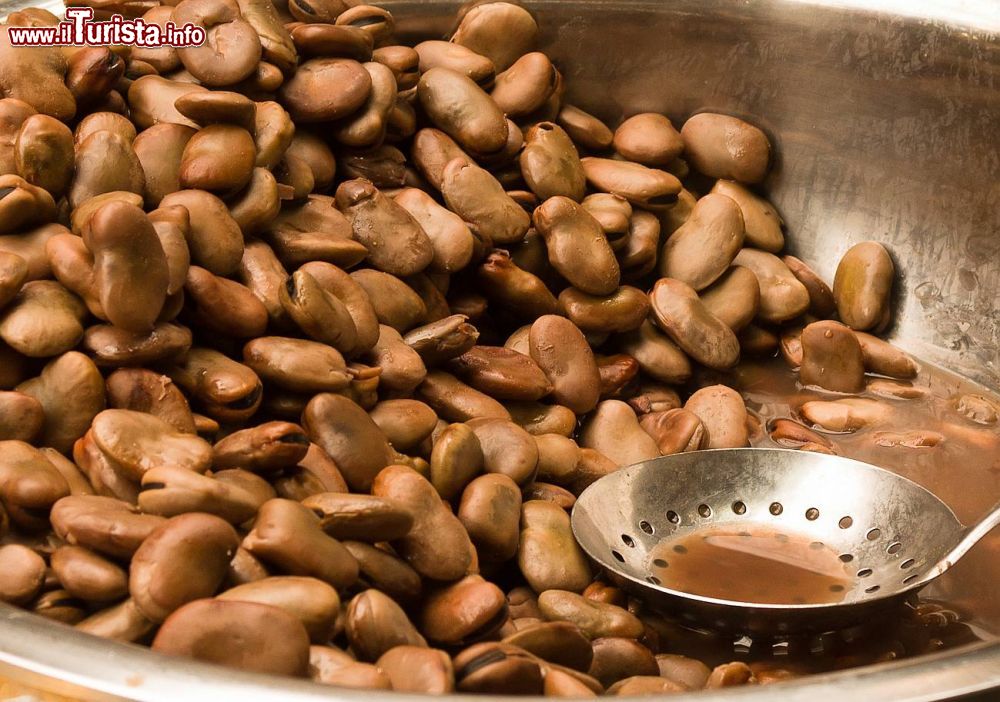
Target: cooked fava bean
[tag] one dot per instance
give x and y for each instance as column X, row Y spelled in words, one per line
column 614, row 431
column 450, row 237
column 550, row 163
column 723, row 416
column 863, row 285
column 490, row 510
column 684, row 317
column 406, row 423
column 248, row 635
column 734, row 298
column 847, row 415
column 620, row 659
column 501, row 31
column 657, row 355
column 507, row 448
column 595, row 619
column 885, row 359
column 311, row 601
column 502, row 373
column 226, row 389
column 703, row 247
column 288, row 536
column 22, row 574
column 465, row 611
column 461, row 109
column 349, row 436
column 360, row 517
column 649, row 139
column 418, row 669
column 454, row 400
column 642, row 186
column 832, row 358
column 537, row 418
column 265, row 448
column 524, row 87
column 71, row 392
column 171, row 491
column 438, row 547
column 21, row 417
column 478, row 198
column 44, row 319
column 183, row 560
column 548, row 556
column 509, row 286
column 112, row 346
column 298, row 365
column 821, row 302
column 782, row 296
column 726, row 147
column 577, row 246
column 623, row 310
column 498, row 668
column 215, row 239
column 763, row 223
column 562, row 352
column 375, row 624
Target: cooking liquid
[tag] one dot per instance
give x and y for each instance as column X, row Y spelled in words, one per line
column 754, row 564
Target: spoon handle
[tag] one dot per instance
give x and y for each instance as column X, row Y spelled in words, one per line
column 971, row 536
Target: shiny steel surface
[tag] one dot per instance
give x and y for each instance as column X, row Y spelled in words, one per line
column 885, row 115
column 857, row 510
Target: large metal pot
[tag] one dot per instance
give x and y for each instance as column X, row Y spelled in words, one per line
column 886, row 124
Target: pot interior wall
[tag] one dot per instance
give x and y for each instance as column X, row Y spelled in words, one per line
column 884, row 128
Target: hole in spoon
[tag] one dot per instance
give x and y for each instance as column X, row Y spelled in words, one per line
column 618, row 557
column 673, row 517
column 659, row 563
column 845, row 522
column 628, row 540
column 864, row 572
column 812, row 514
column 906, row 564
column 846, row 557
column 776, row 508
column 653, row 579
column 894, row 548
column 910, row 578
column 873, row 534
column 704, row 511
column 739, row 508
column 647, row 527
column 873, row 588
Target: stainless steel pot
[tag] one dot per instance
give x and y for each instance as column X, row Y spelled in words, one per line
column 886, row 124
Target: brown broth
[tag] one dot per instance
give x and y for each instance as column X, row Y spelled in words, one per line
column 754, row 564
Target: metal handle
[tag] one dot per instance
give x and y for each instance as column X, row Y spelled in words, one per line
column 971, row 536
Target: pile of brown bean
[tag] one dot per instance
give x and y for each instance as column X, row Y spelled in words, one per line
column 216, row 440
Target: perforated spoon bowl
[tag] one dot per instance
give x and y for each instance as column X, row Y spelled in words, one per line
column 894, row 535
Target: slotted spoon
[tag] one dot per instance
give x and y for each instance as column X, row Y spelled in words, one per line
column 894, row 535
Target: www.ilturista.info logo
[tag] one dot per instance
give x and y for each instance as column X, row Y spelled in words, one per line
column 80, row 29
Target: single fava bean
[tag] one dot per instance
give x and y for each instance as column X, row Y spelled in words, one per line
column 577, row 246
column 734, row 298
column 405, row 423
column 456, row 57
column 247, row 635
column 184, row 559
column 642, row 186
column 373, row 217
column 490, row 510
column 648, row 138
column 723, row 416
column 418, row 669
column 502, row 373
column 13, row 274
column 688, row 672
column 266, row 448
column 22, row 574
column 683, row 316
column 619, row 658
column 105, row 162
column 444, row 339
column 130, row 267
column 885, row 359
column 135, row 442
column 550, row 163
column 832, row 358
column 43, row 319
column 863, row 285
column 507, row 448
column 121, row 622
column 112, row 346
column 456, row 458
column 477, row 197
column 455, row 401
column 585, row 129
column 71, row 391
column 501, row 31
column 450, row 237
column 214, row 239
column 674, row 430
column 461, row 109
column 729, row 675
column 359, row 517
column 762, row 221
column 22, row 417
column 309, row 600
column 298, row 365
column 232, row 46
column 469, row 610
column 103, row 524
column 514, row 289
column 595, row 619
column 226, row 389
column 524, row 88
column 437, row 547
column 821, row 301
column 703, row 247
column 386, row 572
column 402, row 368
column 558, row 457
column 617, row 371
column 549, row 557
column 375, row 624
column 721, row 146
column 782, row 296
column 367, row 127
column 288, row 535
column 561, row 643
column 623, row 310
column 393, row 302
column 498, row 668
column 170, row 491
column 639, row 685
column 331, row 666
column 319, row 314
column 219, row 158
column 43, row 153
column 347, row 433
column 658, row 356
column 847, row 415
column 562, row 352
column 614, row 431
